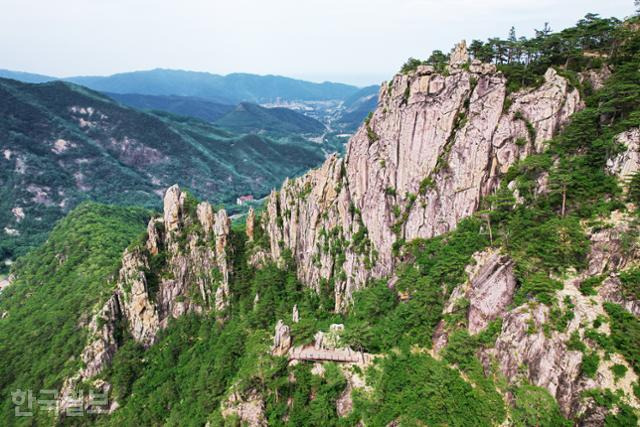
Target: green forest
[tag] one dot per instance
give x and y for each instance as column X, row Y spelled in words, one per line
column 117, row 155
column 184, row 378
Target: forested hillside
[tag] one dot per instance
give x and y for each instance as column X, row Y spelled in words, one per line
column 181, row 105
column 46, row 309
column 252, row 118
column 230, row 89
column 473, row 260
column 61, row 144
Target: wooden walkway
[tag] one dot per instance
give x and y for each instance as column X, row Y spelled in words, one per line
column 344, row 355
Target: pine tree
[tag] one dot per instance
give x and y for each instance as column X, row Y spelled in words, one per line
column 634, row 187
column 546, row 30
column 512, row 43
column 559, row 183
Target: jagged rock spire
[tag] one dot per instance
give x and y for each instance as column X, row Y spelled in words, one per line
column 459, row 55
column 251, row 219
column 194, row 269
column 173, row 204
column 282, row 339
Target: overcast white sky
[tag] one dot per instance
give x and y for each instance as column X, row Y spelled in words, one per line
column 353, row 41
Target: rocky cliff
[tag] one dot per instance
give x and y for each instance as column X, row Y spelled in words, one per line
column 472, row 259
column 526, row 347
column 437, row 143
column 182, row 266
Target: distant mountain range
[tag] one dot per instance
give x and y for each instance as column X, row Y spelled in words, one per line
column 357, row 107
column 229, row 89
column 61, row 144
column 251, row 118
column 26, row 77
column 209, row 97
column 191, row 106
column 244, row 118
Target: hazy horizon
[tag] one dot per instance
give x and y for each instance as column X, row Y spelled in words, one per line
column 357, row 42
column 180, row 70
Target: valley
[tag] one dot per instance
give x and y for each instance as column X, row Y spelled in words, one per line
column 63, row 144
column 220, row 256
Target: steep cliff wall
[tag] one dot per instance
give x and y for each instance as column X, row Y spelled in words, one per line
column 182, row 266
column 436, row 144
column 530, row 345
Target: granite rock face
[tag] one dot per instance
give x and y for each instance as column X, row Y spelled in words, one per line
column 530, row 347
column 523, row 350
column 133, row 297
column 435, row 145
column 101, row 350
column 611, row 249
column 627, row 163
column 611, row 291
column 251, row 224
column 489, row 291
column 248, row 407
column 459, row 56
column 596, row 78
column 614, row 249
column 282, row 339
column 182, row 267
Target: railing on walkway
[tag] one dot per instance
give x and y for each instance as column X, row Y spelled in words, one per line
column 345, row 355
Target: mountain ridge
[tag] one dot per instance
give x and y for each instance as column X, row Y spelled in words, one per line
column 474, row 259
column 181, row 105
column 251, row 118
column 226, row 89
column 62, row 143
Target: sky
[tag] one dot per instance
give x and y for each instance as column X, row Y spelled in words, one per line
column 352, row 41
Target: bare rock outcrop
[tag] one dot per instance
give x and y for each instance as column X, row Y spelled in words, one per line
column 615, row 247
column 596, row 78
column 282, row 339
column 181, row 266
column 433, row 148
column 626, row 163
column 173, row 204
column 6, row 282
column 353, row 373
column 611, row 248
column 221, row 231
column 205, row 216
column 523, row 351
column 154, row 236
column 459, row 55
column 611, row 291
column 248, row 407
column 258, row 254
column 530, row 348
column 103, row 328
column 489, row 292
column 133, row 293
column 251, row 224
